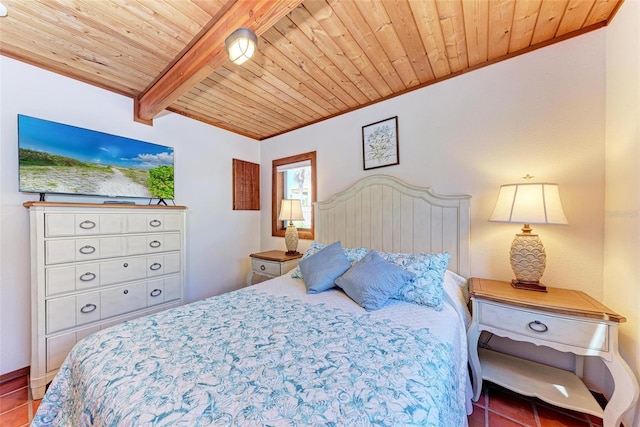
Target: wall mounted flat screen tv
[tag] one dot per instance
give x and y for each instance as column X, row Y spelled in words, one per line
column 55, row 158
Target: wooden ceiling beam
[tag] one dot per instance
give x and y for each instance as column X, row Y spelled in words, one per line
column 208, row 53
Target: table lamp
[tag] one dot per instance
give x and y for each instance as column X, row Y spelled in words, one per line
column 291, row 210
column 528, row 203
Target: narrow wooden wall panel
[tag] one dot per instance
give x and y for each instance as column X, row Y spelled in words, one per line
column 246, row 185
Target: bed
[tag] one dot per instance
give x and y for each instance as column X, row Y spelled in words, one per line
column 273, row 354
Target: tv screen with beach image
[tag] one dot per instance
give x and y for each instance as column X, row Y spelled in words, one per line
column 55, row 158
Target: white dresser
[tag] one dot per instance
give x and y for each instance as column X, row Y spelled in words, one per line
column 93, row 266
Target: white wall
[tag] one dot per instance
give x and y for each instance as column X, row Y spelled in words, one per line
column 622, row 202
column 218, row 238
column 541, row 113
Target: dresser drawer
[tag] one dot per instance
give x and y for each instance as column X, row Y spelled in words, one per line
column 73, row 250
column 72, row 278
column 59, row 346
column 122, row 270
column 75, row 310
column 163, row 290
column 68, row 224
column 163, row 264
column 85, row 224
column 162, row 242
column 123, row 299
column 61, row 251
column 144, row 223
column 153, row 243
column 261, row 266
column 545, row 327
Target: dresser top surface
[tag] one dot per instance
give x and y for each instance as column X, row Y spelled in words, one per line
column 98, row 205
column 555, row 300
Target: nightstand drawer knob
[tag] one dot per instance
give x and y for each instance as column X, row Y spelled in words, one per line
column 538, row 326
column 262, row 267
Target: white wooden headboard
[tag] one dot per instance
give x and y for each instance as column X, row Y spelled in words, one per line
column 384, row 213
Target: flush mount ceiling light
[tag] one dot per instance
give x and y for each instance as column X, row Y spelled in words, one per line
column 3, row 10
column 241, row 45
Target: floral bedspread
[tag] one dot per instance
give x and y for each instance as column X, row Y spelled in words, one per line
column 250, row 359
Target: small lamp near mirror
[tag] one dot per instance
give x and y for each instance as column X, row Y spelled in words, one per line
column 528, row 203
column 291, row 210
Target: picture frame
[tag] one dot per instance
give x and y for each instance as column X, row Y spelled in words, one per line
column 380, row 146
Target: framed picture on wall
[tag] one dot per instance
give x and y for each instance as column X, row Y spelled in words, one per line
column 380, row 144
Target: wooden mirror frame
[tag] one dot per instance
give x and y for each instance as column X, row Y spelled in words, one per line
column 277, row 191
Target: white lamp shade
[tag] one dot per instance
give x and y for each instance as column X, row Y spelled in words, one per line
column 241, row 45
column 291, row 210
column 529, row 203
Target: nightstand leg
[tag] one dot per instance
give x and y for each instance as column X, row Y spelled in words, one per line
column 579, row 370
column 625, row 392
column 249, row 278
column 473, row 334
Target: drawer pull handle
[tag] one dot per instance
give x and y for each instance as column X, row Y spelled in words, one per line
column 126, row 291
column 156, row 292
column 88, row 308
column 155, row 266
column 154, row 244
column 125, row 265
column 538, row 326
column 263, row 268
column 88, row 249
column 155, row 223
column 87, row 277
column 87, row 224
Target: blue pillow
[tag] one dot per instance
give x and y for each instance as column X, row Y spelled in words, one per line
column 322, row 268
column 427, row 287
column 372, row 281
column 354, row 254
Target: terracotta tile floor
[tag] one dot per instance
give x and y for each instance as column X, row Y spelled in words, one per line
column 16, row 406
column 497, row 407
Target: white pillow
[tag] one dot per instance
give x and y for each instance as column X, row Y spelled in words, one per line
column 457, row 292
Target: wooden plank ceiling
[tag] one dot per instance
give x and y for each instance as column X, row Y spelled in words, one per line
column 316, row 58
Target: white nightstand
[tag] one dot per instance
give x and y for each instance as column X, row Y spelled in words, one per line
column 565, row 320
column 272, row 264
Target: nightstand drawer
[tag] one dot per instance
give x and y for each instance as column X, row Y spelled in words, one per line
column 265, row 267
column 578, row 333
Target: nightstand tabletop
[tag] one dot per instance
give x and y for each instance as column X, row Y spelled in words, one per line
column 275, row 255
column 555, row 300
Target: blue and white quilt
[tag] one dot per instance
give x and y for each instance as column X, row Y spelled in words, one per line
column 248, row 358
